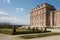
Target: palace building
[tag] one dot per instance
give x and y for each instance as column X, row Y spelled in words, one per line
column 44, row 15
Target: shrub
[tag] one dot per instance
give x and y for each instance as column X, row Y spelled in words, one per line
column 29, row 28
column 24, row 32
column 33, row 29
column 14, row 31
column 45, row 29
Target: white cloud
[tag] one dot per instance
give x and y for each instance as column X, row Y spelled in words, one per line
column 56, row 0
column 19, row 10
column 29, row 16
column 5, row 17
column 7, row 1
column 3, row 13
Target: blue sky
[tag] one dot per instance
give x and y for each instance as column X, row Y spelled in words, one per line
column 18, row 11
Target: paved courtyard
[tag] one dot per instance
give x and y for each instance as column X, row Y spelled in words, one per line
column 16, row 37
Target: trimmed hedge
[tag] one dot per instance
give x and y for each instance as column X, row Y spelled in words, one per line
column 39, row 35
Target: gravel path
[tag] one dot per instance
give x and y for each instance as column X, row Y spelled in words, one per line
column 16, row 37
column 57, row 37
column 9, row 37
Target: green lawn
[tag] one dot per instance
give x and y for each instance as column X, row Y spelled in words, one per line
column 19, row 31
column 6, row 31
column 39, row 35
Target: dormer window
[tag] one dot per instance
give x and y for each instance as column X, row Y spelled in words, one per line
column 38, row 6
column 42, row 5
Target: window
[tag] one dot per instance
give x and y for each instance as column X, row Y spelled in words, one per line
column 55, row 15
column 42, row 5
column 41, row 11
column 54, row 23
column 38, row 6
column 42, row 16
column 36, row 13
column 37, row 17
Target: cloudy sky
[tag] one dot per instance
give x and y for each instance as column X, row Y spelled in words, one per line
column 18, row 11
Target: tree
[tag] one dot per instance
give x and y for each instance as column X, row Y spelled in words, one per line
column 29, row 28
column 14, row 30
column 33, row 28
column 45, row 29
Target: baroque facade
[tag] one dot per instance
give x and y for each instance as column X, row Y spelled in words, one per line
column 44, row 15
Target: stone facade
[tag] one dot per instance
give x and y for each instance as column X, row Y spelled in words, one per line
column 44, row 15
